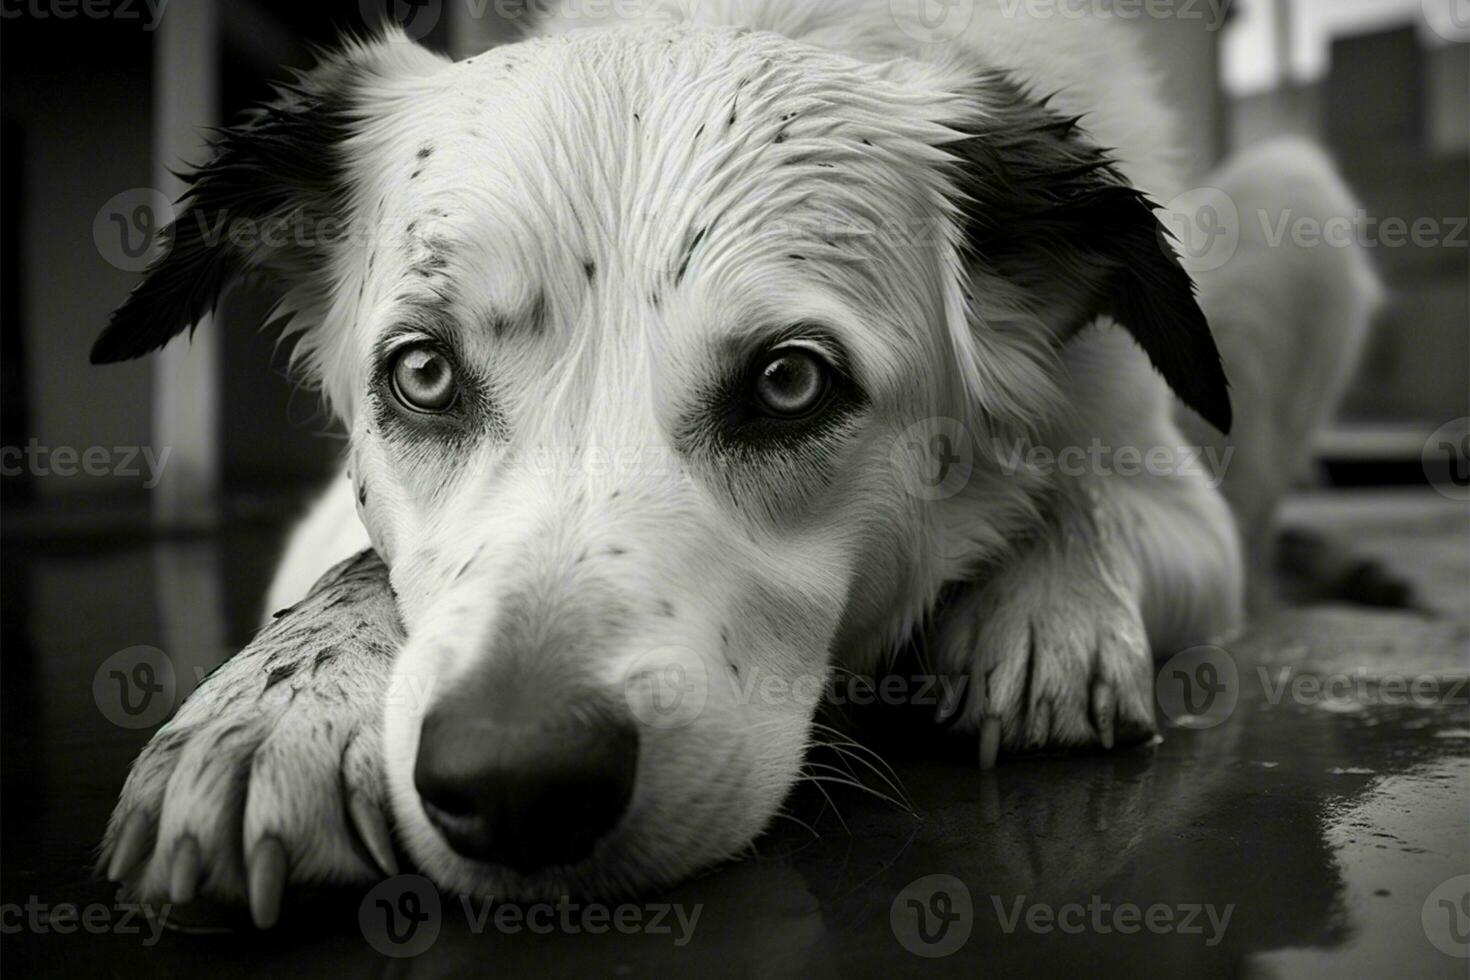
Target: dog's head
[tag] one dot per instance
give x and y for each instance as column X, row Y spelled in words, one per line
column 633, row 333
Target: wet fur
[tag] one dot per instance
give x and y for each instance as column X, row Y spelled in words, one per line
column 700, row 165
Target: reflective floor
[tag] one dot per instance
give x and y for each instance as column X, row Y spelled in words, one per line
column 1311, row 814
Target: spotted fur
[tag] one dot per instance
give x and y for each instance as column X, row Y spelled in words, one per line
column 280, row 742
column 605, row 228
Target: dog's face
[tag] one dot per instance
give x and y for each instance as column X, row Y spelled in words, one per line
column 631, row 332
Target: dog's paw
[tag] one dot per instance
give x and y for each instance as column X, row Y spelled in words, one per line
column 1053, row 656
column 270, row 774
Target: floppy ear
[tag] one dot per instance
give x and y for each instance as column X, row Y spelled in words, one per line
column 1048, row 211
column 280, row 169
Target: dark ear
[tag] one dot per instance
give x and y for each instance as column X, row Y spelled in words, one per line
column 278, row 172
column 1048, row 211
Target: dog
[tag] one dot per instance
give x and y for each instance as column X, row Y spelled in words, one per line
column 689, row 360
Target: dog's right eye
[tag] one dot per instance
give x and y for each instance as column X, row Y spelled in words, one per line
column 424, row 380
column 792, row 384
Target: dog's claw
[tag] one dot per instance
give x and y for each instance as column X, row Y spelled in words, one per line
column 989, row 743
column 1104, row 712
column 183, row 880
column 267, row 882
column 949, row 704
column 372, row 828
column 132, row 845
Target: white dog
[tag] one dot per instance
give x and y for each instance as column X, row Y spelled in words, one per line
column 635, row 331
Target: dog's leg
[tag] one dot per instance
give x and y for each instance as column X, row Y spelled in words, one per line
column 332, row 532
column 1058, row 643
column 1291, row 317
column 1138, row 556
column 271, row 771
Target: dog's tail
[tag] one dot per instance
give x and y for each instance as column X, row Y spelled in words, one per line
column 1291, row 304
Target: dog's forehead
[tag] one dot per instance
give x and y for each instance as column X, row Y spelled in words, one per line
column 652, row 157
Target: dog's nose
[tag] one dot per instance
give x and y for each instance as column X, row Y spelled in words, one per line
column 526, row 797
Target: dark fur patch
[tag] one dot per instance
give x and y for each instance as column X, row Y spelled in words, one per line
column 283, row 163
column 1049, row 210
column 281, row 673
column 690, row 247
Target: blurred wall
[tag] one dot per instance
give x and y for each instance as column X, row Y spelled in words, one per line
column 1395, row 112
column 81, row 126
column 77, row 97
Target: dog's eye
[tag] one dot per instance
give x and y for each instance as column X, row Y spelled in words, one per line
column 423, row 380
column 792, row 384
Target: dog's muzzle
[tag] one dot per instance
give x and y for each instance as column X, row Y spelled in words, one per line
column 525, row 796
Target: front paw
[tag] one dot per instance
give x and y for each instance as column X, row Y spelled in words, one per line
column 271, row 772
column 1056, row 655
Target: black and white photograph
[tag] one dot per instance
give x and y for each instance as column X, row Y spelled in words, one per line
column 735, row 488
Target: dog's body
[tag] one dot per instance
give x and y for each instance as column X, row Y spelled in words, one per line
column 602, row 230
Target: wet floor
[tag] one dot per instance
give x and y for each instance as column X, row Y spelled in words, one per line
column 1308, row 810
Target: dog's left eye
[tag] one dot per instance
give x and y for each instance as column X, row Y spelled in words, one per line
column 792, row 384
column 424, row 381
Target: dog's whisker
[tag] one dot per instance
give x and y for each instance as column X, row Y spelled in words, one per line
column 816, row 782
column 617, row 471
column 859, row 786
column 783, row 815
column 861, row 753
column 890, row 783
column 844, row 777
